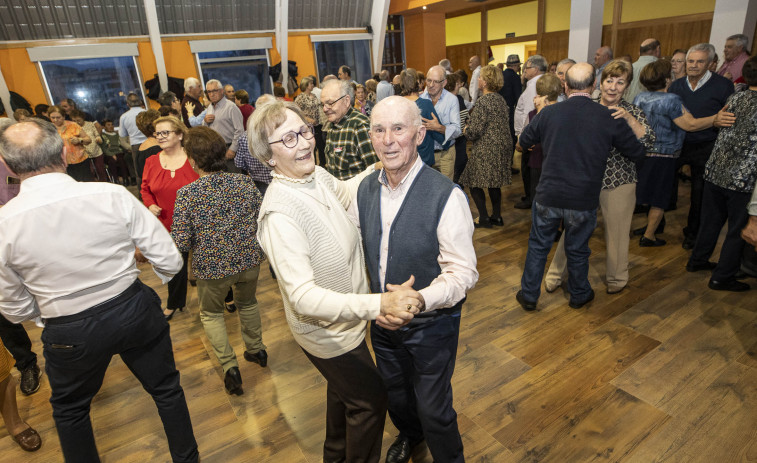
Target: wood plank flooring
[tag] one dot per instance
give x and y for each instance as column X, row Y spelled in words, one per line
column 663, row 371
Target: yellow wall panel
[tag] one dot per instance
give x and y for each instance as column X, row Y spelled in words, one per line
column 557, row 14
column 641, row 10
column 501, row 52
column 520, row 18
column 463, row 29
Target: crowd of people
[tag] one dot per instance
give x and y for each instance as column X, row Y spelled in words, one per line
column 356, row 196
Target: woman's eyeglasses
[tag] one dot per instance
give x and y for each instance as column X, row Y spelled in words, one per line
column 290, row 139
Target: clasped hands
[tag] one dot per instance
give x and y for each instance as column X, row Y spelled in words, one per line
column 399, row 305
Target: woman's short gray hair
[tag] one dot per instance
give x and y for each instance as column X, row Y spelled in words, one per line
column 263, row 122
column 705, row 47
column 41, row 152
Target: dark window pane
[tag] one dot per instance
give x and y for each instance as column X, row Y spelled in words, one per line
column 231, row 54
column 249, row 75
column 98, row 86
column 354, row 53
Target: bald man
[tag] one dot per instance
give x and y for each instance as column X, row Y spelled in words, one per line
column 602, row 56
column 571, row 179
column 474, row 64
column 649, row 52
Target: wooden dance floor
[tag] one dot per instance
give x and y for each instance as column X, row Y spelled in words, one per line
column 664, row 371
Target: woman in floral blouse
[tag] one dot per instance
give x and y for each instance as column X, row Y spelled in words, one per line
column 309, row 104
column 618, row 197
column 216, row 218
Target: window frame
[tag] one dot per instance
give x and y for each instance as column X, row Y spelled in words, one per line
column 320, row 38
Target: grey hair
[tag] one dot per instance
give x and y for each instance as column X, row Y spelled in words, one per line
column 384, row 75
column 576, row 83
column 32, row 155
column 566, row 61
column 345, row 88
column 741, row 41
column 706, row 47
column 215, row 82
column 445, row 63
column 264, row 121
column 133, row 100
column 539, row 62
column 5, row 122
column 190, row 82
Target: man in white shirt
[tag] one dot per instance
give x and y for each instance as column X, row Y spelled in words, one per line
column 649, row 52
column 128, row 131
column 474, row 64
column 225, row 118
column 86, row 292
column 448, row 109
column 535, row 67
column 384, row 88
column 416, row 222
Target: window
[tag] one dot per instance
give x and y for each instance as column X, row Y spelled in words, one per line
column 98, row 85
column 394, row 46
column 243, row 69
column 356, row 54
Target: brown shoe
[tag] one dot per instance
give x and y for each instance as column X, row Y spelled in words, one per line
column 28, row 440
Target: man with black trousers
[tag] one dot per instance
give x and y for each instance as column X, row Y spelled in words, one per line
column 704, row 93
column 577, row 136
column 510, row 91
column 86, row 292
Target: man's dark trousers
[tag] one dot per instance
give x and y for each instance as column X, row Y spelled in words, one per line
column 18, row 343
column 417, row 362
column 78, row 349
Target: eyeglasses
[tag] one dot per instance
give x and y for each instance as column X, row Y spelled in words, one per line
column 290, row 139
column 163, row 133
column 432, row 81
column 331, row 104
column 213, row 91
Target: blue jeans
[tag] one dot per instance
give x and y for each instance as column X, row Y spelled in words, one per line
column 579, row 226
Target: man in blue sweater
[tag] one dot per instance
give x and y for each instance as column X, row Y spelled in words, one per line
column 576, row 136
column 704, row 93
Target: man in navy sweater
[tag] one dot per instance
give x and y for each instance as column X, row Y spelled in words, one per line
column 704, row 93
column 576, row 136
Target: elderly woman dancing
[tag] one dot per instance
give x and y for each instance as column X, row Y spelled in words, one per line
column 316, row 252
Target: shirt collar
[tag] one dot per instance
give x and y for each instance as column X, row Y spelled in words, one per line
column 406, row 180
column 221, row 103
column 701, row 82
column 344, row 118
column 45, row 180
column 587, row 95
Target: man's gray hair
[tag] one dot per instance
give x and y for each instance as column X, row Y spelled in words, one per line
column 537, row 61
column 741, row 41
column 579, row 82
column 5, row 122
column 190, row 82
column 345, row 88
column 445, row 63
column 32, row 155
column 133, row 100
column 566, row 61
column 384, row 75
column 705, row 47
column 214, row 82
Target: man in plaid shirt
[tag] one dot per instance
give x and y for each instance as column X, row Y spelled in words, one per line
column 348, row 142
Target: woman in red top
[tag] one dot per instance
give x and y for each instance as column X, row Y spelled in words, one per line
column 164, row 174
column 242, row 99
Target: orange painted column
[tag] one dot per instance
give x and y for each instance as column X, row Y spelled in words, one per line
column 424, row 40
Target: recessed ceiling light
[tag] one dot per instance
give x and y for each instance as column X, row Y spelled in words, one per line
column 425, row 7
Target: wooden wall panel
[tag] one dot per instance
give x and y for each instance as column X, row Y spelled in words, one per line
column 554, row 45
column 459, row 55
column 671, row 35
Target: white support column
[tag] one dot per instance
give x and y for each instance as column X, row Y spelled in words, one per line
column 378, row 23
column 585, row 29
column 5, row 96
column 281, row 29
column 153, row 29
column 732, row 17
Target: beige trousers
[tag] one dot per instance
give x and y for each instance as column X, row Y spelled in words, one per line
column 444, row 162
column 211, row 295
column 617, row 207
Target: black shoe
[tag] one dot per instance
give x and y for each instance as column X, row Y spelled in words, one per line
column 641, row 230
column 699, row 267
column 525, row 204
column 688, row 242
column 169, row 316
column 401, row 450
column 497, row 221
column 578, row 305
column 645, row 242
column 733, row 285
column 260, row 357
column 233, row 381
column 231, row 307
column 30, row 380
column 528, row 306
column 483, row 222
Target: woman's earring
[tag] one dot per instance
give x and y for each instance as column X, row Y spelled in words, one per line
column 272, row 163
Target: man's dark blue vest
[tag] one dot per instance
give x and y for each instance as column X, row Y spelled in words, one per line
column 413, row 244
